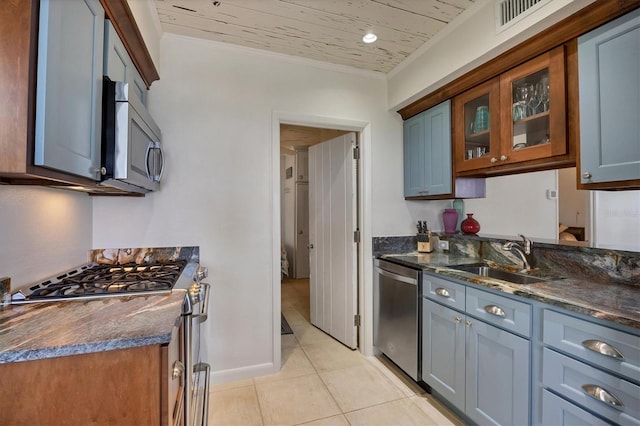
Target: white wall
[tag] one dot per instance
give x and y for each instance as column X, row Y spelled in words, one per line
column 616, row 219
column 215, row 106
column 518, row 204
column 43, row 231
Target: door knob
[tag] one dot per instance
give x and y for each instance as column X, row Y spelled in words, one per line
column 310, row 246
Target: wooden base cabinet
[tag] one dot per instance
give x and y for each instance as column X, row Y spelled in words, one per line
column 121, row 387
column 479, row 368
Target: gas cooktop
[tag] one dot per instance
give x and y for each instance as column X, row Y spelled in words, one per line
column 98, row 280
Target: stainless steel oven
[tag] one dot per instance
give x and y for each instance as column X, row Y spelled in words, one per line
column 195, row 312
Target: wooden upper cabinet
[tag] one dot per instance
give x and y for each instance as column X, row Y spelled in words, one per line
column 533, row 109
column 515, row 121
column 476, row 130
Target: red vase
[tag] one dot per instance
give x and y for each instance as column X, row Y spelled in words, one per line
column 470, row 225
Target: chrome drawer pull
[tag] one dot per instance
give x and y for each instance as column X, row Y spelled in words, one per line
column 602, row 348
column 442, row 292
column 495, row 310
column 602, row 395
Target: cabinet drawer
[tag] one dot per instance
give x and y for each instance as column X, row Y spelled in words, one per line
column 443, row 291
column 504, row 312
column 576, row 336
column 560, row 412
column 571, row 378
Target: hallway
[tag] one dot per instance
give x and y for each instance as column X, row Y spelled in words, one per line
column 322, row 382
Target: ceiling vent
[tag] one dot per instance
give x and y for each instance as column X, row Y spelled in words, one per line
column 508, row 12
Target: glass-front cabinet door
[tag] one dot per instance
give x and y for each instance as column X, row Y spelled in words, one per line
column 533, row 109
column 476, row 131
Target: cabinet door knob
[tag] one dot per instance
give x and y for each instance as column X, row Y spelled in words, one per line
column 458, row 320
column 586, row 175
column 310, row 246
column 503, row 158
column 467, row 323
column 494, row 160
column 602, row 395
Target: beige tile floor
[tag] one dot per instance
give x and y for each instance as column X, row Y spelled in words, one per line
column 322, row 382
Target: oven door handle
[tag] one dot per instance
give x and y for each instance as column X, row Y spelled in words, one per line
column 204, row 314
column 206, row 368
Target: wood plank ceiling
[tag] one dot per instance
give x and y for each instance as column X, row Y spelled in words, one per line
column 323, row 30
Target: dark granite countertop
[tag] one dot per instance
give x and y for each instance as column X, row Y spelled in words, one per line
column 618, row 303
column 47, row 330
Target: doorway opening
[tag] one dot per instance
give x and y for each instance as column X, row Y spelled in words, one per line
column 295, row 135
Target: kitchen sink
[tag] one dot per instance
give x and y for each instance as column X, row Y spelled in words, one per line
column 487, row 271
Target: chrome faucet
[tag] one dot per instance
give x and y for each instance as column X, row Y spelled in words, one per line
column 522, row 250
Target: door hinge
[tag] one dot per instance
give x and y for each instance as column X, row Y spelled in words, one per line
column 356, row 152
column 356, row 320
column 356, row 236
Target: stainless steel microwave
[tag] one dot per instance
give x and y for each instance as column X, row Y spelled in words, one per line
column 132, row 157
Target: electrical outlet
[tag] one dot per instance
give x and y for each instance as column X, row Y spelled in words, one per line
column 444, row 245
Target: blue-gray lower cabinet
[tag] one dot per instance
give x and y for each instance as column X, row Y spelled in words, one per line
column 591, row 366
column 609, row 65
column 481, row 369
column 498, row 385
column 427, row 153
column 69, row 86
column 443, row 351
column 557, row 411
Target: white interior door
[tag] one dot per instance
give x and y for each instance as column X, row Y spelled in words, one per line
column 302, row 231
column 333, row 252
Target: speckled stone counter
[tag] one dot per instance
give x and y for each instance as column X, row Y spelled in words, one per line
column 618, row 303
column 46, row 330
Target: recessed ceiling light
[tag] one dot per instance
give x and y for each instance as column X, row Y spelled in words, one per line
column 369, row 38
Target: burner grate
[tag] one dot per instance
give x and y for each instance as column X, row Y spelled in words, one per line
column 98, row 280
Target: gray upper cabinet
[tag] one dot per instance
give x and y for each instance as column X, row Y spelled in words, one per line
column 427, row 153
column 69, row 87
column 609, row 84
column 118, row 65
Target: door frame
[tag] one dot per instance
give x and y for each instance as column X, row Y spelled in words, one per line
column 365, row 274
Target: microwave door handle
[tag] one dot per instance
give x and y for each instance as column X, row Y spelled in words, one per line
column 151, row 160
column 158, row 174
column 146, row 160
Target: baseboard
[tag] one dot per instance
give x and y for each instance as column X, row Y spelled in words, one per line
column 233, row 374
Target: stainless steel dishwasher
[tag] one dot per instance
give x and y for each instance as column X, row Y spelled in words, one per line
column 396, row 315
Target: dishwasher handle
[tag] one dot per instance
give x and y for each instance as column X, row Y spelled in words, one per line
column 397, row 277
